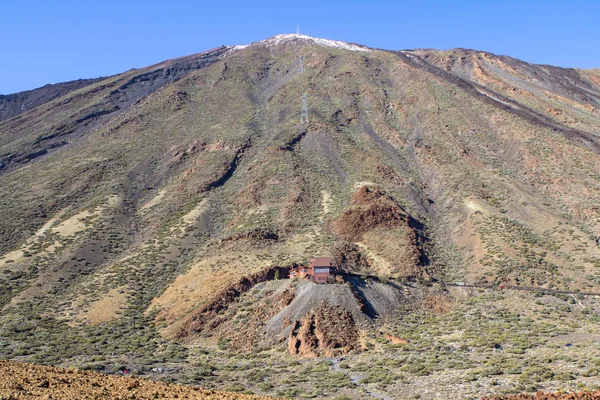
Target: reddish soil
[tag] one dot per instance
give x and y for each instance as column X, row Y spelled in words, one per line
column 26, row 381
column 252, row 332
column 349, row 258
column 390, row 235
column 395, row 339
column 370, row 208
column 439, row 304
column 388, row 174
column 327, row 331
column 207, row 316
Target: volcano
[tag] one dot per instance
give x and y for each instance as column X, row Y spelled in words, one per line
column 151, row 217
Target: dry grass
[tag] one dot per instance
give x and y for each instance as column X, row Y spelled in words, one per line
column 108, row 307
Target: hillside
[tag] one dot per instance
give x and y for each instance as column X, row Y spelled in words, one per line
column 151, row 218
column 17, row 103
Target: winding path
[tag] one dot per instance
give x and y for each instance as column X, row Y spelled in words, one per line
column 524, row 288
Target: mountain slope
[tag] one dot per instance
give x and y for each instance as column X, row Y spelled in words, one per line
column 564, row 95
column 143, row 217
column 17, row 103
column 36, row 133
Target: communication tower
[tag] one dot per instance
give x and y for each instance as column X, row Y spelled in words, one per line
column 304, row 116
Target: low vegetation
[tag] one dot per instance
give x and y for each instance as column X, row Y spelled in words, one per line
column 127, row 205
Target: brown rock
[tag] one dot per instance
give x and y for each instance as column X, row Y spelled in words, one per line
column 327, row 331
column 370, row 208
column 33, row 381
column 395, row 339
column 438, row 304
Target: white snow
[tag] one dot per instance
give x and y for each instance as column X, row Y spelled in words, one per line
column 281, row 39
column 231, row 49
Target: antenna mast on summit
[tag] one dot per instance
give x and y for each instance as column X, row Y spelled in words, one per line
column 304, row 116
column 298, row 30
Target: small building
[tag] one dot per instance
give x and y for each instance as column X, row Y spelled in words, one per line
column 319, row 270
column 323, row 272
column 301, row 272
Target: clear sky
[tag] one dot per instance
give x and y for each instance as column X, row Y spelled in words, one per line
column 50, row 41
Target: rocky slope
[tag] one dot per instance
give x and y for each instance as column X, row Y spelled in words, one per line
column 140, row 215
column 26, row 381
column 41, row 132
column 17, row 103
column 564, row 96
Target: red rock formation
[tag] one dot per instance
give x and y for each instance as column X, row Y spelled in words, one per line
column 370, row 208
column 207, row 315
column 326, row 332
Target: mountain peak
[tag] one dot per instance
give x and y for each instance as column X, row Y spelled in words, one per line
column 149, row 221
column 293, row 37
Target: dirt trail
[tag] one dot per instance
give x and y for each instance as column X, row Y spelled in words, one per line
column 26, row 381
column 522, row 288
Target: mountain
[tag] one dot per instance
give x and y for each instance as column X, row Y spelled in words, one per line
column 18, row 103
column 151, row 219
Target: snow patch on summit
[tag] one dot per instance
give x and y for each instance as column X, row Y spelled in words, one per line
column 281, row 39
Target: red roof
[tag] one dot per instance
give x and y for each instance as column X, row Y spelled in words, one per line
column 320, row 262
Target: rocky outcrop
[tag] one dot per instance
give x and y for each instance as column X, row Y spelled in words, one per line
column 370, row 208
column 325, row 332
column 374, row 220
column 347, row 257
column 259, row 235
column 26, row 381
column 207, row 316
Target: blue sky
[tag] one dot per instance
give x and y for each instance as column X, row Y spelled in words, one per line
column 53, row 41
